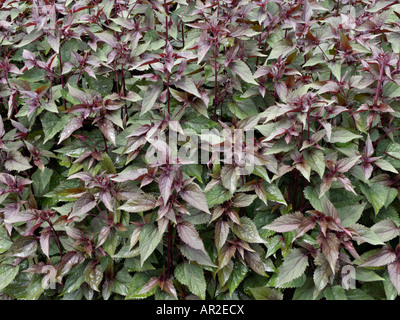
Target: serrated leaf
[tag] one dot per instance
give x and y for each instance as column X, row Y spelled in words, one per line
column 217, row 195
column 193, row 195
column 335, row 293
column 136, row 285
column 385, row 256
column 386, row 230
column 367, row 275
column 266, row 293
column 315, row 159
column 342, row 135
column 238, row 274
column 72, row 125
column 52, row 125
column 7, row 274
column 247, row 231
column 286, row 223
column 187, row 84
column 16, row 161
column 195, row 255
column 379, row 195
column 83, row 205
column 274, row 193
column 330, row 248
column 93, row 274
column 192, row 276
column 293, row 266
column 394, row 274
column 141, row 202
column 243, row 70
column 189, row 235
column 150, row 98
column 149, row 239
column 349, row 215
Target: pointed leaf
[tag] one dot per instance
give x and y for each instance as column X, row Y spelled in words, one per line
column 293, row 266
column 286, row 223
column 192, row 276
column 83, row 205
column 148, row 241
column 150, row 98
column 72, row 125
column 189, row 235
column 385, row 256
column 243, row 70
column 193, row 195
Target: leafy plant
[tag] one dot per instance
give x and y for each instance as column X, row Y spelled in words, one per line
column 123, row 126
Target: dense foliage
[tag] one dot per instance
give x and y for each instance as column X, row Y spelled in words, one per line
column 91, row 89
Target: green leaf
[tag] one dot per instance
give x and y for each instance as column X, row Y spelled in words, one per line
column 52, row 125
column 217, row 195
column 150, row 98
column 136, row 285
column 229, row 177
column 385, row 165
column 390, row 290
column 379, row 195
column 193, row 195
column 16, row 161
column 238, row 274
column 149, row 239
column 103, row 85
column 75, row 279
column 335, row 293
column 247, row 231
column 192, row 276
column 187, row 84
column 196, row 255
column 93, row 274
column 7, row 274
column 274, row 193
column 265, row 293
column 30, row 37
column 243, row 70
column 5, row 242
column 282, row 48
column 41, row 180
column 386, row 230
column 349, row 215
column 342, row 135
column 322, row 272
column 365, row 234
column 23, row 247
column 393, row 149
column 312, row 195
column 367, row 275
column 142, row 202
column 243, row 108
column 293, row 266
column 193, row 170
column 316, row 160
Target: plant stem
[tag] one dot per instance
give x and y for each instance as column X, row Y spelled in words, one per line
column 378, row 88
column 215, row 79
column 382, row 137
column 167, row 72
column 56, row 237
column 169, row 250
column 62, row 77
